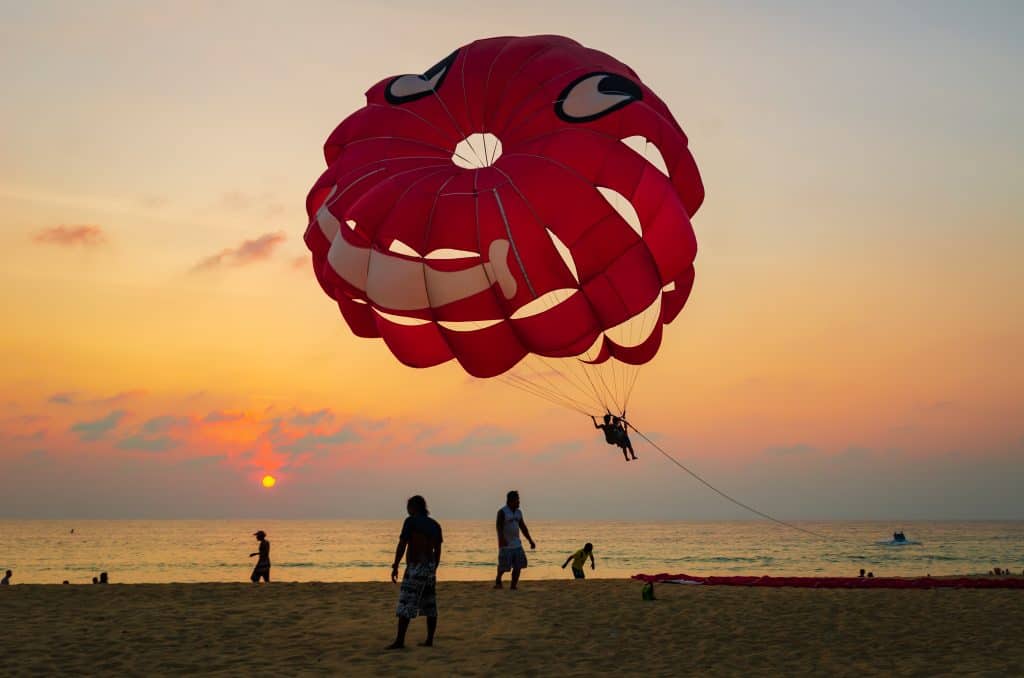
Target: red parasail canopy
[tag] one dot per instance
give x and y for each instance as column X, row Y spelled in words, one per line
column 488, row 209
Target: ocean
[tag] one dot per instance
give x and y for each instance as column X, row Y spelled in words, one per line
column 156, row 551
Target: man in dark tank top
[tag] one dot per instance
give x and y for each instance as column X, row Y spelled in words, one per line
column 420, row 542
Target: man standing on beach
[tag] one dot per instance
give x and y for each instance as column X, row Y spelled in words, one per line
column 262, row 568
column 510, row 549
column 7, row 578
column 421, row 535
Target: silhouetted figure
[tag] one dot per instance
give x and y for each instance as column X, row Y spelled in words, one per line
column 615, row 434
column 511, row 555
column 95, row 580
column 65, row 582
column 899, row 536
column 861, row 572
column 7, row 578
column 262, row 569
column 624, row 436
column 579, row 559
column 420, row 542
column 103, row 578
column 871, row 575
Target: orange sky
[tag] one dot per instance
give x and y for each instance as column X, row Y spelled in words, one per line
column 854, row 330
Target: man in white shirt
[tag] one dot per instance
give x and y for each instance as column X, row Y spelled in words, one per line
column 511, row 556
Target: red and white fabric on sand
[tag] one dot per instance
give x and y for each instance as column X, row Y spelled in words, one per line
column 840, row 582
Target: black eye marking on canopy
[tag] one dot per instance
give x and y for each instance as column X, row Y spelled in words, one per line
column 405, row 88
column 594, row 95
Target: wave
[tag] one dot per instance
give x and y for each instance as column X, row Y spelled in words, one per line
column 762, row 560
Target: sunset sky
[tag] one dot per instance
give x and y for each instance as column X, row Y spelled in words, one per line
column 851, row 349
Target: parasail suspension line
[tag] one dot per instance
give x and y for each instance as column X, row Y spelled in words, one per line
column 723, row 494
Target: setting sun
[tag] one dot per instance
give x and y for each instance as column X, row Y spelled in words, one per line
column 269, row 481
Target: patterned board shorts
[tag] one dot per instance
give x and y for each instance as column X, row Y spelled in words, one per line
column 511, row 558
column 418, row 595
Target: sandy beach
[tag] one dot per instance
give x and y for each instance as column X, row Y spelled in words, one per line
column 546, row 628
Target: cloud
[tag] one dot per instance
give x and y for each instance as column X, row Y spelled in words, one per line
column 165, row 423
column 481, row 439
column 120, row 397
column 87, row 235
column 854, row 453
column 558, row 451
column 237, row 200
column 311, row 419
column 33, row 437
column 145, row 443
column 205, row 460
column 299, row 263
column 250, row 251
column 152, row 434
column 260, row 204
column 31, row 418
column 217, row 417
column 37, row 458
column 424, row 432
column 153, row 202
column 94, row 430
column 72, row 398
column 320, row 442
column 797, row 450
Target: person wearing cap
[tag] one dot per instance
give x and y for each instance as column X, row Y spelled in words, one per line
column 262, row 568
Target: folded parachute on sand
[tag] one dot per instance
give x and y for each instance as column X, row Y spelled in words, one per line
column 840, row 582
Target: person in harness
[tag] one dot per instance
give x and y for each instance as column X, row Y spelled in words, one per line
column 615, row 434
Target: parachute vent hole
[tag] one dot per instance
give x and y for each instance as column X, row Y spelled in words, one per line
column 477, row 151
column 543, row 303
column 565, row 253
column 399, row 247
column 623, row 206
column 649, row 151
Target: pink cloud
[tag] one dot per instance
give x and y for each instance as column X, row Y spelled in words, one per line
column 250, row 251
column 87, row 235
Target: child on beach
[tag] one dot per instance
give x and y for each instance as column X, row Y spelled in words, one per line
column 579, row 559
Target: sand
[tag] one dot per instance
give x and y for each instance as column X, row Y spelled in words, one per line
column 545, row 628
